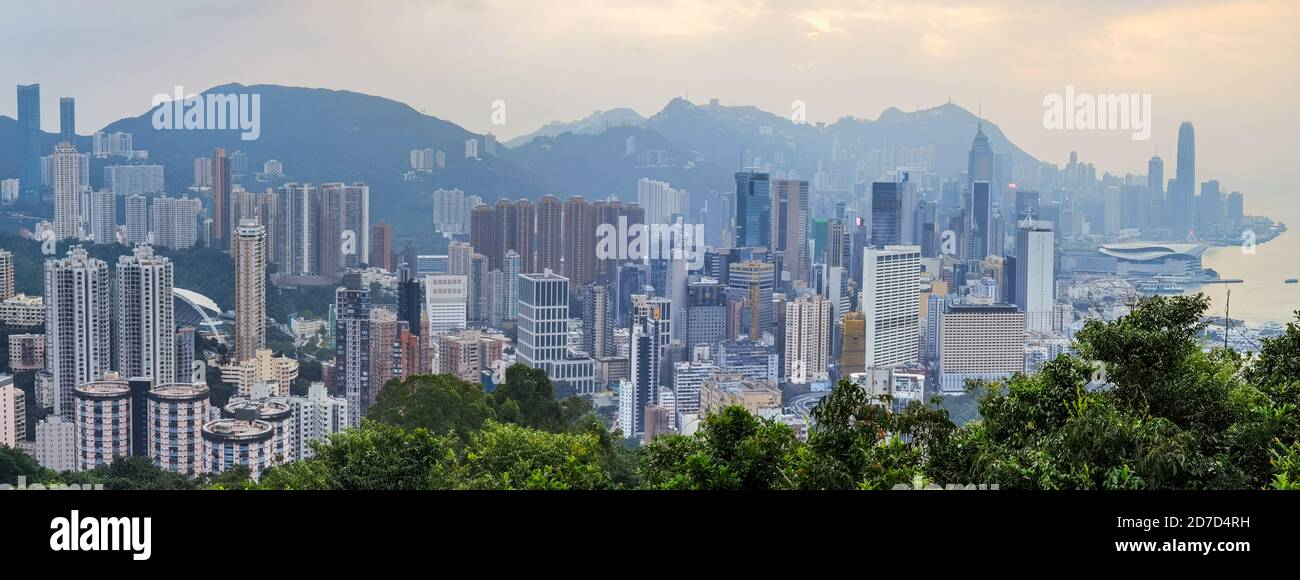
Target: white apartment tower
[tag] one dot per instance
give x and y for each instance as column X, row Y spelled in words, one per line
column 807, row 338
column 77, row 335
column 67, row 189
column 146, row 323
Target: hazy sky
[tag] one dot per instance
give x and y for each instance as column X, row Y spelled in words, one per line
column 1232, row 68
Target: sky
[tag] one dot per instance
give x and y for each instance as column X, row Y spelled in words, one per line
column 1232, row 68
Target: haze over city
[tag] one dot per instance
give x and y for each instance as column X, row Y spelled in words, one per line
column 1227, row 66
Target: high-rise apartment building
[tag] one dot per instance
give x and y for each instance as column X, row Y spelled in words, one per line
column 67, row 191
column 352, row 346
column 249, row 252
column 146, row 323
column 78, row 339
column 807, row 339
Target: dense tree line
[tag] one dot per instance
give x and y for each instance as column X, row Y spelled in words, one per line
column 1164, row 414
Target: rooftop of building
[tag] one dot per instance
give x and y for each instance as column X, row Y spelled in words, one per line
column 179, row 392
column 237, row 430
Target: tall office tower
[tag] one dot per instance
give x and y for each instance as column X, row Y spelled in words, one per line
column 410, row 298
column 174, row 223
column 509, row 298
column 103, row 420
column 756, row 280
column 525, row 236
column 979, row 342
column 184, row 340
column 176, row 415
column 982, row 165
column 790, row 211
column 1209, row 207
column 891, row 303
column 543, row 341
column 706, row 314
column 137, row 220
column 1027, row 205
column 550, row 224
column 660, row 200
column 807, row 339
column 343, row 227
column 146, row 324
column 753, row 210
column 13, row 413
column 979, row 222
column 1235, row 208
column 1156, row 175
column 459, row 255
column 1035, row 287
column 381, row 246
column 249, row 252
column 352, row 346
column 886, row 213
column 296, row 230
column 314, row 418
column 837, row 251
column 1112, row 210
column 29, row 140
column 597, row 321
column 579, row 241
column 649, row 343
column 221, row 187
column 67, row 189
column 103, row 217
column 449, row 211
column 202, row 172
column 77, row 335
column 445, row 302
column 67, row 119
column 1182, row 190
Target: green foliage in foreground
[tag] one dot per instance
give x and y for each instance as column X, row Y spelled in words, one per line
column 1171, row 416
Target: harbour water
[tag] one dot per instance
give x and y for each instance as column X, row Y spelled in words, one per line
column 1263, row 296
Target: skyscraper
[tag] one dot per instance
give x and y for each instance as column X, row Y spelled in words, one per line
column 1180, row 207
column 295, row 230
column 982, row 163
column 660, row 200
column 597, row 321
column 343, row 227
column 525, row 236
column 67, row 191
column 77, row 335
column 753, row 210
column 29, row 140
column 103, row 217
column 221, row 225
column 979, row 223
column 352, row 346
column 410, row 298
column 790, row 227
column 891, row 302
column 381, row 246
column 544, row 334
column 67, row 119
column 579, row 240
column 886, row 214
column 755, row 281
column 1035, row 286
column 6, row 275
column 1156, row 175
column 249, row 253
column 146, row 324
column 550, row 224
column 446, row 297
column 649, row 342
column 706, row 314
